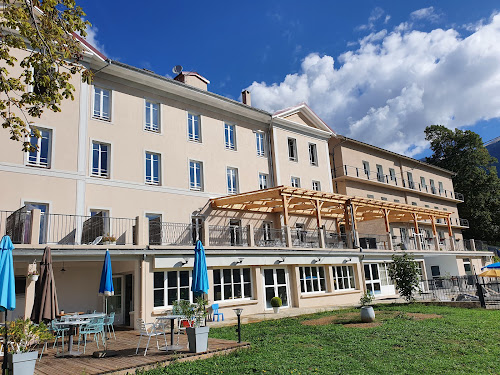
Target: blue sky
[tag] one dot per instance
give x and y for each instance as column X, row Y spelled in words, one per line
column 376, row 71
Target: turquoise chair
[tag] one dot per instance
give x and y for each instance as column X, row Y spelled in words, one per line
column 58, row 332
column 108, row 324
column 93, row 327
column 215, row 312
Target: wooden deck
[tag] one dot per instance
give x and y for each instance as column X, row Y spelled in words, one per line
column 126, row 361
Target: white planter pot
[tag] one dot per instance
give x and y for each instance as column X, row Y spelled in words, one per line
column 198, row 339
column 367, row 314
column 22, row 363
column 34, row 277
column 276, row 309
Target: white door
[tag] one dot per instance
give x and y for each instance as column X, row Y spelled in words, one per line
column 372, row 277
column 276, row 284
column 115, row 303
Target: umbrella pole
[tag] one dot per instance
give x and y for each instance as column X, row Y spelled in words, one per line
column 5, row 348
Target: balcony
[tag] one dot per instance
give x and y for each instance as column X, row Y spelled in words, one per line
column 394, row 181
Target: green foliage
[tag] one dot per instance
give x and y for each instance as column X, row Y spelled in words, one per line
column 366, row 298
column 196, row 311
column 404, row 272
column 276, row 302
column 476, row 178
column 25, row 334
column 45, row 31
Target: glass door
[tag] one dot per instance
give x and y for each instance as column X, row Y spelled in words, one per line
column 372, row 278
column 276, row 284
column 115, row 302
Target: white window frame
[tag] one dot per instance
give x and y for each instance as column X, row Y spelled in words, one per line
column 152, row 127
column 392, row 174
column 366, row 168
column 37, row 162
column 348, row 274
column 370, row 280
column 151, row 180
column 306, row 284
column 276, row 285
column 231, row 282
column 293, row 149
column 260, row 143
column 263, row 177
column 295, row 181
column 108, row 166
column 191, row 126
column 318, row 185
column 166, row 288
column 313, row 154
column 100, row 115
column 380, row 172
column 232, row 180
column 195, row 185
column 229, row 130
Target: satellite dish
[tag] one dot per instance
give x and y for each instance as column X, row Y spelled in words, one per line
column 177, row 69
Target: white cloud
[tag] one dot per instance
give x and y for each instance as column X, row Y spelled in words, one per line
column 92, row 39
column 396, row 83
column 425, row 14
column 375, row 15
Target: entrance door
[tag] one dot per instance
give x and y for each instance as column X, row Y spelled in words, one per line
column 372, row 277
column 115, row 302
column 276, row 284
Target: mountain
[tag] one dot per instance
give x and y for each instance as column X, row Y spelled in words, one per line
column 493, row 148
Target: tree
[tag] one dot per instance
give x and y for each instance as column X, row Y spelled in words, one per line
column 45, row 31
column 405, row 273
column 463, row 152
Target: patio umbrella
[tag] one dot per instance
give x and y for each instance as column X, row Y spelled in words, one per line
column 45, row 306
column 7, row 287
column 200, row 276
column 492, row 265
column 492, row 272
column 106, row 288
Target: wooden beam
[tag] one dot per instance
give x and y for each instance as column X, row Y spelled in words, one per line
column 318, row 205
column 433, row 223
column 415, row 223
column 386, row 220
column 285, row 208
column 448, row 222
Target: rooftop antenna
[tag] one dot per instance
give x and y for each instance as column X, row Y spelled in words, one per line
column 177, row 69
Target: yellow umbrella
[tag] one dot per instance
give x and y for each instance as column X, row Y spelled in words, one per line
column 492, row 272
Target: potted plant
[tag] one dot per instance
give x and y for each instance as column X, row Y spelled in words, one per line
column 25, row 335
column 196, row 314
column 276, row 304
column 367, row 312
column 109, row 239
column 33, row 275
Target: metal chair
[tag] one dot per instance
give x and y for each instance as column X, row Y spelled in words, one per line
column 151, row 331
column 108, row 324
column 215, row 312
column 58, row 332
column 93, row 327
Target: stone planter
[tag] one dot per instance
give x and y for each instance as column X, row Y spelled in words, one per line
column 276, row 309
column 22, row 363
column 367, row 314
column 198, row 339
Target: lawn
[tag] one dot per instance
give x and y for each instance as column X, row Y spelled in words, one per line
column 460, row 341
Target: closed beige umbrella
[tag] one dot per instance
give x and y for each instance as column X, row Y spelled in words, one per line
column 45, row 307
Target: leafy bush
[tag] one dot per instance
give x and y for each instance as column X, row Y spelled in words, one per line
column 276, row 302
column 193, row 312
column 25, row 334
column 405, row 273
column 366, row 298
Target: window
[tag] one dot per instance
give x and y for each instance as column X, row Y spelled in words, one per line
column 433, row 187
column 152, row 168
column 295, row 182
column 366, row 168
column 383, row 198
column 171, row 286
column 411, row 185
column 413, row 203
column 232, row 180
column 380, row 173
column 155, row 229
column 194, row 128
column 102, row 101
column 44, row 210
column 197, row 228
column 427, row 206
column 313, row 154
column 41, row 156
column 229, row 137
column 467, row 266
column 267, row 227
column 292, row 149
column 384, row 274
column 392, row 174
column 441, row 189
column 263, row 181
column 371, row 196
column 235, row 232
column 232, row 283
column 98, row 225
column 343, row 277
column 422, row 183
column 195, row 175
column 396, row 200
column 312, row 279
column 259, row 138
column 316, row 185
column 372, row 278
column 276, row 284
column 152, row 117
column 100, row 159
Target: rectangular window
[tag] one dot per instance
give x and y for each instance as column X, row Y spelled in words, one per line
column 433, row 187
column 155, row 229
column 380, row 173
column 316, row 185
column 232, row 283
column 232, row 180
column 312, row 279
column 195, row 175
column 413, row 203
column 366, row 169
column 422, row 183
column 383, row 198
column 152, row 117
column 396, row 200
column 441, row 189
column 171, row 286
column 44, row 211
column 100, row 159
column 41, row 156
column 411, row 185
column 152, row 168
column 371, row 196
column 102, row 103
column 263, row 181
column 194, row 133
column 392, row 174
column 292, row 149
column 259, row 139
column 267, row 227
column 313, row 154
column 343, row 277
column 229, row 137
column 295, row 182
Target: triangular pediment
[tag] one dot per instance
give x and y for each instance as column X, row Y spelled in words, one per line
column 303, row 115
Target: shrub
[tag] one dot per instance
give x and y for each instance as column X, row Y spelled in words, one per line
column 25, row 334
column 366, row 298
column 404, row 272
column 276, row 302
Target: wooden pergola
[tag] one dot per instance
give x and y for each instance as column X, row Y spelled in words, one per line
column 297, row 201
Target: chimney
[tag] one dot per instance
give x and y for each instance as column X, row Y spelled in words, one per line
column 193, row 79
column 245, row 97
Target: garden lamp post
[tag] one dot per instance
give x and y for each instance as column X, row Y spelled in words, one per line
column 238, row 314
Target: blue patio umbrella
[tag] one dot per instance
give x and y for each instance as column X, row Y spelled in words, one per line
column 7, row 287
column 492, row 265
column 106, row 288
column 200, row 276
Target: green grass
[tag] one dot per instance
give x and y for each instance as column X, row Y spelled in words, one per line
column 463, row 341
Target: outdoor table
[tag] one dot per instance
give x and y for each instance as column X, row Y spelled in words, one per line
column 73, row 325
column 172, row 320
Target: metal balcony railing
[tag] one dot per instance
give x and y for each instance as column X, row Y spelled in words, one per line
column 269, row 237
column 163, row 233
column 334, row 240
column 228, row 235
column 304, row 238
column 373, row 241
